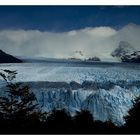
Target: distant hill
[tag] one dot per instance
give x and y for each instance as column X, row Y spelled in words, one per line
column 7, row 58
column 94, row 59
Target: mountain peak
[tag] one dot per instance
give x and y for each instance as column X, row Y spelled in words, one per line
column 123, row 48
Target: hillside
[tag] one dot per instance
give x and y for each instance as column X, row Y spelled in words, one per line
column 7, row 58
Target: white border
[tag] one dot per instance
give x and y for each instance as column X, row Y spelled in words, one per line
column 69, row 2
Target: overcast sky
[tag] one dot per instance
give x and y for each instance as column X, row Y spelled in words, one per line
column 60, row 31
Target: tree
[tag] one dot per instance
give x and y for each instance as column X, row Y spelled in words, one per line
column 83, row 122
column 58, row 122
column 105, row 128
column 132, row 125
column 18, row 105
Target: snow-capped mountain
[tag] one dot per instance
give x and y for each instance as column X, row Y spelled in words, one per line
column 123, row 48
column 126, row 53
column 134, row 57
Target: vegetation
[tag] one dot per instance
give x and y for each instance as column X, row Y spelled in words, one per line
column 18, row 109
column 132, row 125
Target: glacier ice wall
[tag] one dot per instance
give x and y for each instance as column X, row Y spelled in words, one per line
column 112, row 104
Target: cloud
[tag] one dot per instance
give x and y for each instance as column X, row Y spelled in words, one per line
column 98, row 41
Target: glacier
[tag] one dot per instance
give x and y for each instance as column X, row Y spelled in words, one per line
column 105, row 89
